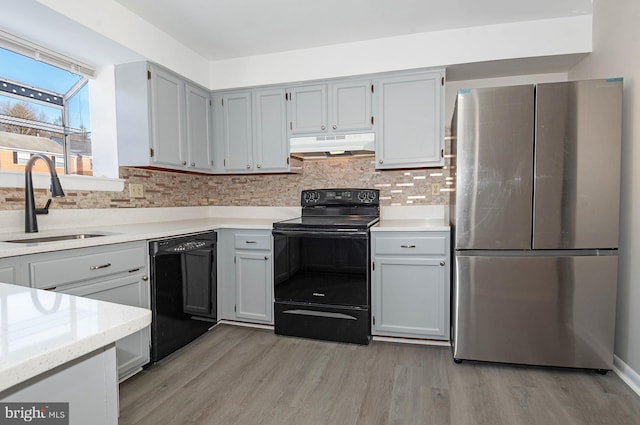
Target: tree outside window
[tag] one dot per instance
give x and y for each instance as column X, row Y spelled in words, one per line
column 43, row 109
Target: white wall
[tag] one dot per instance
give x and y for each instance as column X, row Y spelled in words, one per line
column 452, row 87
column 115, row 22
column 436, row 49
column 616, row 53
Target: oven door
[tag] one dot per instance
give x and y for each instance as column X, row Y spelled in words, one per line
column 328, row 267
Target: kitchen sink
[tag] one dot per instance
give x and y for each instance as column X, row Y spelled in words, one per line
column 57, row 238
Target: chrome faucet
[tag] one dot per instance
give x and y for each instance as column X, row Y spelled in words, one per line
column 30, row 210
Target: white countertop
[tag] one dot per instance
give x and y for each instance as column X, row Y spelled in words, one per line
column 411, row 225
column 125, row 233
column 40, row 330
column 126, row 225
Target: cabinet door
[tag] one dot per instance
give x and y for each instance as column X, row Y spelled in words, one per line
column 410, row 297
column 351, row 106
column 410, row 127
column 199, row 147
column 132, row 351
column 308, row 109
column 254, row 276
column 238, row 142
column 167, row 121
column 270, row 133
column 9, row 270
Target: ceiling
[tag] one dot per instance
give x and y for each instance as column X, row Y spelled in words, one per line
column 223, row 29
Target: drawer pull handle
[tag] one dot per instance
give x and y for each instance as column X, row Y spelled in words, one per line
column 250, row 242
column 101, row 266
column 407, row 246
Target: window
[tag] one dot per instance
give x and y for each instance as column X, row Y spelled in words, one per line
column 43, row 109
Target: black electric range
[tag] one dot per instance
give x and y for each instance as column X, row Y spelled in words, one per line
column 321, row 266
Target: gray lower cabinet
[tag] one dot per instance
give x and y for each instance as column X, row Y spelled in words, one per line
column 9, row 271
column 116, row 273
column 245, row 276
column 410, row 284
column 132, row 351
column 89, row 384
column 410, row 120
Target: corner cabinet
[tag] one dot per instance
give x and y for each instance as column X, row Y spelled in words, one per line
column 410, row 284
column 162, row 119
column 325, row 109
column 116, row 273
column 245, row 276
column 410, row 120
column 250, row 131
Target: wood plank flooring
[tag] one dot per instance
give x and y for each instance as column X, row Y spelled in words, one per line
column 245, row 376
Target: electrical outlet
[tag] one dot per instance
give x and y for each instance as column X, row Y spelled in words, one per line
column 435, row 189
column 136, row 190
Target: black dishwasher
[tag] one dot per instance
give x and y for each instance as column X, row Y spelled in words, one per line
column 183, row 291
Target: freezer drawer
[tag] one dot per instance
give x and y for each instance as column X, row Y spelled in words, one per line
column 536, row 310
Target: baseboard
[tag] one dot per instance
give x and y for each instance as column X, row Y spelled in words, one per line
column 245, row 324
column 412, row 341
column 627, row 374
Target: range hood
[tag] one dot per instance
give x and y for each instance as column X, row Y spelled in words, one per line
column 315, row 147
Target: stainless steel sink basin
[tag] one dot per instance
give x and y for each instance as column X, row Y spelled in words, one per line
column 56, row 238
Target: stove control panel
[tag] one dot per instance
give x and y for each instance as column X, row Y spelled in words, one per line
column 323, row 197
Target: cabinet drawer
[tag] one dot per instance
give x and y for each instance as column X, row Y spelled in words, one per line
column 84, row 264
column 411, row 245
column 253, row 242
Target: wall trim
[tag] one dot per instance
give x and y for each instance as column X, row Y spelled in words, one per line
column 627, row 374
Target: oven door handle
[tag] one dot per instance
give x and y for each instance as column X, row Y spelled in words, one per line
column 323, row 233
column 302, row 312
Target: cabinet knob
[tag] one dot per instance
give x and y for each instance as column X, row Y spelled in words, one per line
column 259, row 166
column 184, row 162
column 145, row 277
column 248, row 165
column 266, row 257
column 335, row 126
column 442, row 263
column 323, row 128
column 380, row 162
column 193, row 164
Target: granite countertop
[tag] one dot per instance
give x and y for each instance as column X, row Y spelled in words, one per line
column 42, row 329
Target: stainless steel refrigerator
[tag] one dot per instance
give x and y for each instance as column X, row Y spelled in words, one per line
column 534, row 217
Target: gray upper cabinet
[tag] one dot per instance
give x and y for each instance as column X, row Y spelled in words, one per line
column 410, row 120
column 162, row 119
column 343, row 107
column 250, row 131
column 351, row 106
column 167, row 118
column 236, row 116
column 307, row 109
column 269, row 131
column 199, row 137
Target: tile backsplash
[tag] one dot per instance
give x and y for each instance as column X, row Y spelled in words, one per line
column 173, row 189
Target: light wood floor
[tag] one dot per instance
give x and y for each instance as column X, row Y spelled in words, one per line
column 245, row 376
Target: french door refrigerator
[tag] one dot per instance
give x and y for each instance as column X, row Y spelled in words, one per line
column 534, row 216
